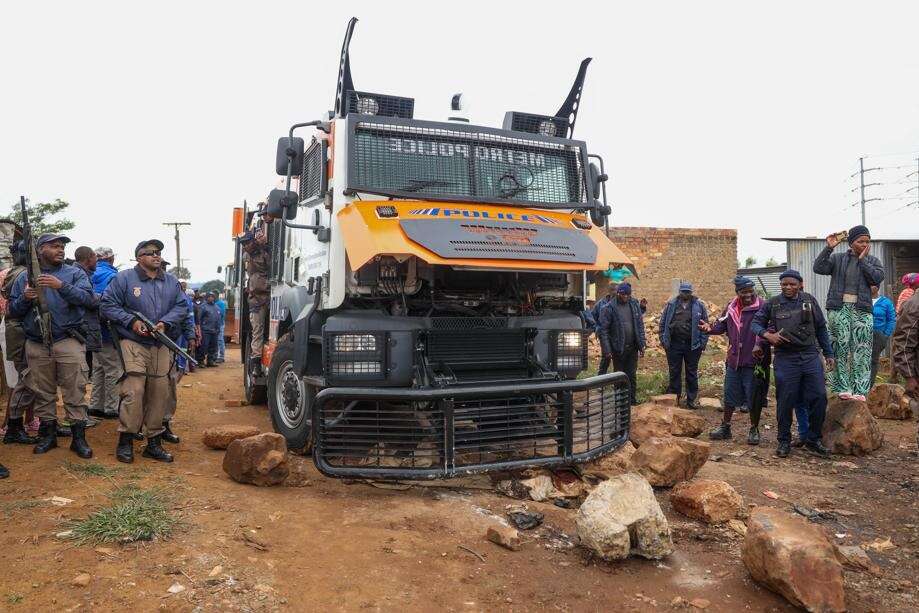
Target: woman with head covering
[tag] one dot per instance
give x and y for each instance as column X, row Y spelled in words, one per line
column 910, row 282
column 849, row 308
column 746, row 351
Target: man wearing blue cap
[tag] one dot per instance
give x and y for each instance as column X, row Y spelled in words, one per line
column 67, row 294
column 156, row 294
column 794, row 325
column 684, row 341
column 621, row 332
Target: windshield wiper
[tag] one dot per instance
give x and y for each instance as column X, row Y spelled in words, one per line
column 416, row 185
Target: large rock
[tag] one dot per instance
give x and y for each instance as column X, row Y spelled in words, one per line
column 686, row 423
column 617, row 463
column 889, row 401
column 622, row 516
column 649, row 420
column 219, row 437
column 666, row 400
column 849, row 427
column 259, row 460
column 793, row 557
column 708, row 500
column 664, row 462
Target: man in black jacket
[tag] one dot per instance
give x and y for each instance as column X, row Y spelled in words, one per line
column 621, row 331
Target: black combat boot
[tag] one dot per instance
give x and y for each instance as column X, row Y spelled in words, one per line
column 154, row 450
column 753, row 436
column 124, row 452
column 4, row 473
column 47, row 436
column 78, row 443
column 817, row 448
column 168, row 435
column 61, row 430
column 783, row 449
column 16, row 433
column 721, row 433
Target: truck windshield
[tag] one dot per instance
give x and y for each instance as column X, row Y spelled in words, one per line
column 443, row 163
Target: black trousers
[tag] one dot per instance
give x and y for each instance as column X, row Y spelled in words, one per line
column 878, row 346
column 626, row 362
column 679, row 358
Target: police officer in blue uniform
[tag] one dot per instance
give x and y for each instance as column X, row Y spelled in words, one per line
column 794, row 325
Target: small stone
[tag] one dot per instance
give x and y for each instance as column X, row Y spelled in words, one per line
column 708, row 500
column 259, row 460
column 215, row 572
column 710, row 403
column 849, row 428
column 220, row 437
column 700, row 603
column 664, row 462
column 677, row 602
column 176, row 588
column 234, row 403
column 889, row 401
column 855, row 557
column 104, row 551
column 738, row 526
column 667, row 400
column 686, row 423
column 505, row 536
column 81, row 580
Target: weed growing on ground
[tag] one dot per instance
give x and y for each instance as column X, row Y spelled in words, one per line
column 135, row 514
column 91, row 469
column 14, row 598
column 21, row 505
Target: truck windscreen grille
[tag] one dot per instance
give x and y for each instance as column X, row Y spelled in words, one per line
column 477, row 349
column 415, row 160
column 468, row 323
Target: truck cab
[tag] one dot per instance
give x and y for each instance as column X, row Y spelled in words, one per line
column 428, row 280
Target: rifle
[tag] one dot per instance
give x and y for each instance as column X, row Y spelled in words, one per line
column 33, row 269
column 162, row 337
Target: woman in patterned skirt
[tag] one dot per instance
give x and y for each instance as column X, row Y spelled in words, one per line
column 849, row 307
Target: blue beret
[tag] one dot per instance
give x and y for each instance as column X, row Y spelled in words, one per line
column 794, row 274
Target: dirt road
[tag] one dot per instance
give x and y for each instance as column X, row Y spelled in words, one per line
column 330, row 545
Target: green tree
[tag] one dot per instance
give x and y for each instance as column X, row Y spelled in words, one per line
column 771, row 262
column 214, row 285
column 750, row 262
column 180, row 273
column 40, row 214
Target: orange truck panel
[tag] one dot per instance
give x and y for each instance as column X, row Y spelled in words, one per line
column 367, row 235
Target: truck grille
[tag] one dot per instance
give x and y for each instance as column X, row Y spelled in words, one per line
column 477, row 348
column 406, row 434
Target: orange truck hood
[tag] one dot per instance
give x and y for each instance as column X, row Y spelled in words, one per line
column 367, row 234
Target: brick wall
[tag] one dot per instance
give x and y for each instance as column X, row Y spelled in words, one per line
column 707, row 257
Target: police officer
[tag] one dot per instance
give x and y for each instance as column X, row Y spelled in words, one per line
column 156, row 294
column 258, row 293
column 210, row 328
column 67, row 294
column 621, row 331
column 794, row 324
column 21, row 398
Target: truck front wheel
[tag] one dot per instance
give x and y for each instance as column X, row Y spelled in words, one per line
column 290, row 399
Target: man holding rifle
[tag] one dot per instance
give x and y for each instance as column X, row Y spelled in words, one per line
column 55, row 344
column 147, row 308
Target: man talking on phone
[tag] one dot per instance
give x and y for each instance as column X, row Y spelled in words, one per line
column 794, row 325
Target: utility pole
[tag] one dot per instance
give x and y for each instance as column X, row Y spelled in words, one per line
column 177, row 224
column 861, row 180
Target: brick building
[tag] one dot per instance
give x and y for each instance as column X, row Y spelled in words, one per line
column 663, row 257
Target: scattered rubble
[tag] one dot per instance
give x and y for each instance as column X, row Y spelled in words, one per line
column 259, row 460
column 664, row 462
column 686, row 423
column 649, row 420
column 81, row 580
column 538, row 487
column 505, row 536
column 523, row 518
column 855, row 557
column 708, row 500
column 622, row 516
column 794, row 558
column 889, row 401
column 616, row 463
column 849, row 427
column 219, row 437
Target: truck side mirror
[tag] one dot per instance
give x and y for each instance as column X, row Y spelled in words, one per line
column 219, row 269
column 282, row 204
column 289, row 149
column 596, row 179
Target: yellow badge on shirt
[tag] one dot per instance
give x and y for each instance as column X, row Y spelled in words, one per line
column 137, row 292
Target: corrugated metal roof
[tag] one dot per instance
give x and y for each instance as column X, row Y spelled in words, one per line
column 765, row 277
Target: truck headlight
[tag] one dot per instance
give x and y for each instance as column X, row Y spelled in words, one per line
column 356, row 356
column 570, row 350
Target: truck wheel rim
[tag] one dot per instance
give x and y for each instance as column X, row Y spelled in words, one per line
column 291, row 395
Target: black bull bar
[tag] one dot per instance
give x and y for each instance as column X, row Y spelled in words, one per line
column 398, row 433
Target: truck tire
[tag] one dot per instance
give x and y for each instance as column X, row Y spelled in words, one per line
column 290, row 399
column 255, row 393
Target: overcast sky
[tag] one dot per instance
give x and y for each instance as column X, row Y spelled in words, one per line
column 709, row 114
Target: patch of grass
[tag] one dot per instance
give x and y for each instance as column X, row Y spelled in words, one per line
column 90, row 469
column 135, row 514
column 21, row 505
column 651, row 384
column 14, row 598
